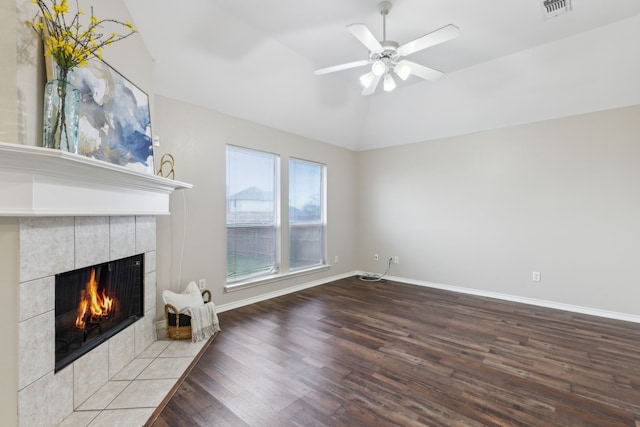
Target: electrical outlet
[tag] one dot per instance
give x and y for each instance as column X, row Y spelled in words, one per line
column 202, row 284
column 396, row 259
column 535, row 276
column 336, row 259
column 376, row 257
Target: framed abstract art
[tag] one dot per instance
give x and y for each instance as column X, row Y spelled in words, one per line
column 115, row 121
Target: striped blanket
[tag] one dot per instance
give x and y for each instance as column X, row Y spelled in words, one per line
column 204, row 321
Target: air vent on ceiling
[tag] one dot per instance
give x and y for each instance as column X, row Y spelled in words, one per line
column 553, row 8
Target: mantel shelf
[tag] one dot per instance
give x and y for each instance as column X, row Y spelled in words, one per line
column 37, row 181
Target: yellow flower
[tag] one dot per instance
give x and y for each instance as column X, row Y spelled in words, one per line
column 65, row 38
column 63, row 7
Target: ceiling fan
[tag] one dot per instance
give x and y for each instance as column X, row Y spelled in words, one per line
column 385, row 56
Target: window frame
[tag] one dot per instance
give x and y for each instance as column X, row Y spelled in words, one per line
column 281, row 272
column 323, row 214
column 276, row 226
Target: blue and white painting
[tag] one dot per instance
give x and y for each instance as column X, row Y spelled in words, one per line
column 115, row 123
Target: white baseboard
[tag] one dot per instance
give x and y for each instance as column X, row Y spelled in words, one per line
column 524, row 300
column 505, row 297
column 281, row 292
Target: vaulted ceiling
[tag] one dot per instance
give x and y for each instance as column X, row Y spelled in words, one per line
column 254, row 59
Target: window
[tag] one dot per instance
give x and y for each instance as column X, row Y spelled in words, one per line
column 306, row 214
column 253, row 217
column 252, row 213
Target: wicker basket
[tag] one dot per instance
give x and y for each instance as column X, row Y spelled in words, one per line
column 179, row 325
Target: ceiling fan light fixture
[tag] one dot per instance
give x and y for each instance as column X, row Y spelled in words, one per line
column 367, row 79
column 384, row 56
column 389, row 83
column 402, row 70
column 378, row 68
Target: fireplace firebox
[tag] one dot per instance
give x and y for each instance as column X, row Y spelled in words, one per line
column 94, row 303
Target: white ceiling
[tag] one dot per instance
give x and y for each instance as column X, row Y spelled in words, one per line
column 254, row 59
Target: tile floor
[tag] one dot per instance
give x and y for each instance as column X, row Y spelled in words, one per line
column 132, row 395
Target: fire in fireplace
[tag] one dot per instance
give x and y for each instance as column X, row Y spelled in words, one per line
column 94, row 303
column 93, row 307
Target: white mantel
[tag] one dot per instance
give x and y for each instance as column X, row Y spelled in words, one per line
column 37, row 181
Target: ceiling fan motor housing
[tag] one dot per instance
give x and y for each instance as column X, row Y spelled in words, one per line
column 388, row 53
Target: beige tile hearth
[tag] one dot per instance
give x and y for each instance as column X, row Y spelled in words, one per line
column 130, row 396
column 155, row 349
column 79, row 419
column 104, row 396
column 132, row 370
column 166, row 368
column 182, row 348
column 122, row 418
column 142, row 394
column 112, row 418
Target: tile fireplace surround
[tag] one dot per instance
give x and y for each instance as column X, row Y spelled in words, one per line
column 74, row 212
column 50, row 245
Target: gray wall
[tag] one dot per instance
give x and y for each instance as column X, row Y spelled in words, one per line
column 8, row 90
column 9, row 252
column 197, row 138
column 485, row 210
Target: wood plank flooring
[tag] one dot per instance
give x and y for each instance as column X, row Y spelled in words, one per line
column 351, row 353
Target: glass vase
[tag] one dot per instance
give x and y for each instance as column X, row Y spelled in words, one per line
column 61, row 113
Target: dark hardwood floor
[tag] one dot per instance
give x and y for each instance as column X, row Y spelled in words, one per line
column 351, row 353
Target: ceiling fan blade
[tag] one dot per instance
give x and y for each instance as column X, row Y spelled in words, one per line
column 341, row 67
column 422, row 71
column 362, row 33
column 372, row 87
column 441, row 35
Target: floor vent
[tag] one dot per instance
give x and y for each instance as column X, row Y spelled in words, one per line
column 553, row 8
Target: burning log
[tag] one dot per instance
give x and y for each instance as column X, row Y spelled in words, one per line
column 93, row 307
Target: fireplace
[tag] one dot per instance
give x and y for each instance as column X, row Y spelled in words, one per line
column 94, row 303
column 63, row 211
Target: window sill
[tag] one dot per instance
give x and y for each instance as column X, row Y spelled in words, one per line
column 231, row 287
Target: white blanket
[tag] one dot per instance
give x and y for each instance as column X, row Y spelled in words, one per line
column 204, row 321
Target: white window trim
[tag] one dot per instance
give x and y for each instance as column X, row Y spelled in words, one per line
column 262, row 280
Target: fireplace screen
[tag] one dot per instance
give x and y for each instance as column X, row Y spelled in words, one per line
column 95, row 303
